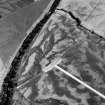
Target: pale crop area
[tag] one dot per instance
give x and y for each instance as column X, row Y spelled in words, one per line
column 90, row 12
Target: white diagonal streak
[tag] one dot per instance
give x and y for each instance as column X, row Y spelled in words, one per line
column 79, row 81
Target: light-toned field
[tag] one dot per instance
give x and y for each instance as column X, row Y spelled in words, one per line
column 13, row 28
column 90, row 12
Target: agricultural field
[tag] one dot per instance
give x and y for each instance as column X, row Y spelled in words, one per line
column 33, row 78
